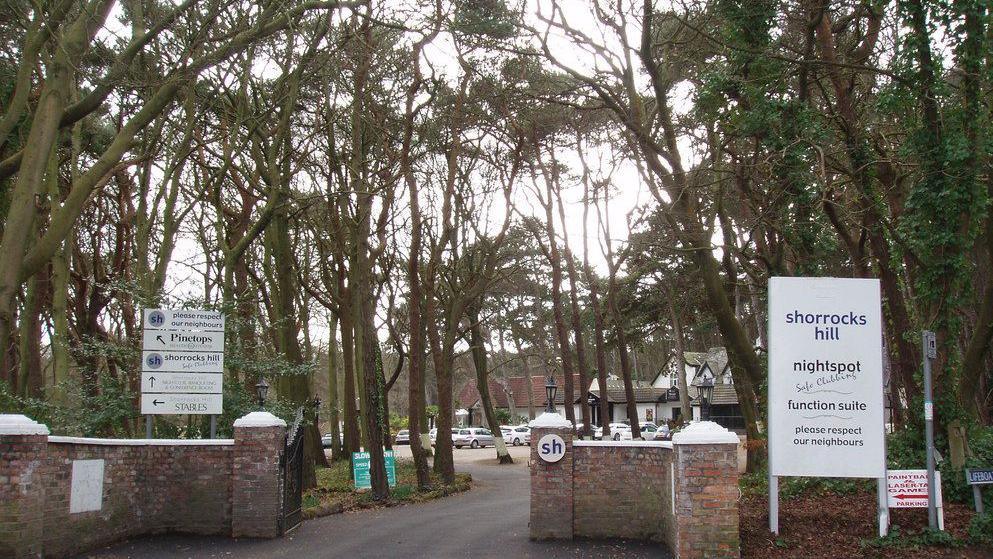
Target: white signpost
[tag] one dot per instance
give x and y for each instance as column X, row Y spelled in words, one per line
column 182, row 363
column 826, row 411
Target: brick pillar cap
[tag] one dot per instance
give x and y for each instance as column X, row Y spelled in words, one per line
column 550, row 421
column 259, row 419
column 704, row 432
column 17, row 424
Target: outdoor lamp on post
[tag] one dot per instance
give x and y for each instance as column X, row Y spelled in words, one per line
column 317, row 410
column 262, row 388
column 550, row 389
column 706, row 392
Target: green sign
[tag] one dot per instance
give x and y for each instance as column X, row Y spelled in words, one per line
column 360, row 469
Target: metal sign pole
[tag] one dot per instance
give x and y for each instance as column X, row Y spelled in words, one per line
column 148, row 426
column 884, row 510
column 213, row 426
column 930, row 352
column 774, row 504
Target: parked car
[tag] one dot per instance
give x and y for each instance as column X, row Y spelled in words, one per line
column 326, row 441
column 507, row 432
column 664, row 434
column 649, row 430
column 618, row 432
column 473, row 437
column 403, row 437
column 433, row 433
column 520, row 435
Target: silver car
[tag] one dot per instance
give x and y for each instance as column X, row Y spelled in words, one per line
column 473, row 437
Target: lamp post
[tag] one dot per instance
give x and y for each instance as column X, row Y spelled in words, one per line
column 550, row 389
column 317, row 411
column 262, row 388
column 593, row 410
column 706, row 393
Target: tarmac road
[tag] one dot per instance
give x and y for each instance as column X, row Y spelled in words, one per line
column 491, row 520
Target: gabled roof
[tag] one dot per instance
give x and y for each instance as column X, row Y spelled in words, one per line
column 517, row 388
column 642, row 394
column 723, row 394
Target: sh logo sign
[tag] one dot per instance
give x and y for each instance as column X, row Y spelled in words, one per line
column 551, row 448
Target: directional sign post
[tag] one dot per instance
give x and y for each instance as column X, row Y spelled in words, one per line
column 908, row 489
column 977, row 477
column 182, row 363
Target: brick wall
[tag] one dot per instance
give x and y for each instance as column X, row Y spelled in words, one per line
column 620, row 491
column 149, row 486
column 551, row 489
column 22, row 462
column 683, row 494
column 706, row 519
column 147, row 489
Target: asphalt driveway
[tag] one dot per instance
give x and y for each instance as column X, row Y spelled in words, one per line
column 491, row 520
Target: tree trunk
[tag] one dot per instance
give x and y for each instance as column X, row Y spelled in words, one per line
column 476, row 341
column 334, row 417
column 679, row 358
column 577, row 324
column 528, row 385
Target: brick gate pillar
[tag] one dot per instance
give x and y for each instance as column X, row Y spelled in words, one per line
column 706, row 492
column 256, row 484
column 551, row 482
column 23, row 456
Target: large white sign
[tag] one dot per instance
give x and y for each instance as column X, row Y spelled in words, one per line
column 825, row 378
column 182, row 362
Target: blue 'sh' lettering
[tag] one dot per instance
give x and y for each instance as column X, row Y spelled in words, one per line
column 557, row 447
column 545, row 449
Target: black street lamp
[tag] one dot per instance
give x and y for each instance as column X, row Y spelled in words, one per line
column 706, row 393
column 262, row 388
column 593, row 410
column 317, row 411
column 550, row 389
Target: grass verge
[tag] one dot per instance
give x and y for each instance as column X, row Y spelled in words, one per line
column 335, row 492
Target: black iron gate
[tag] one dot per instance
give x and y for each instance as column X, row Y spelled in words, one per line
column 293, row 475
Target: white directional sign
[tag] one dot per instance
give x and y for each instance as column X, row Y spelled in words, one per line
column 183, row 319
column 158, row 340
column 182, row 362
column 196, row 404
column 825, row 378
column 181, row 383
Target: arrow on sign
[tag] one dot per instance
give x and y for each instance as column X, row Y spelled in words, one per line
column 906, row 496
column 159, row 338
column 151, row 380
column 156, row 402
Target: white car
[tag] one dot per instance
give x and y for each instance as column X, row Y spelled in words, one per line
column 649, row 431
column 507, row 432
column 618, row 432
column 433, row 433
column 519, row 435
